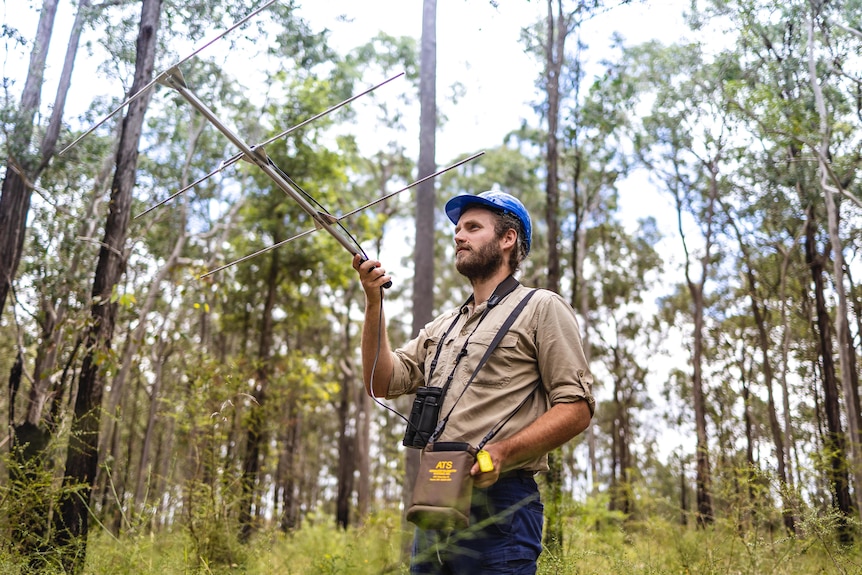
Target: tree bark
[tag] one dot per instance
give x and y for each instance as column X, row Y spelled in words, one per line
column 255, row 435
column 346, row 448
column 17, row 184
column 72, row 518
column 842, row 330
column 52, row 133
column 704, row 513
column 835, row 445
column 348, row 442
column 423, row 257
column 557, row 30
column 144, row 472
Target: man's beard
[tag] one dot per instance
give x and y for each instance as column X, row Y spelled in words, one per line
column 482, row 264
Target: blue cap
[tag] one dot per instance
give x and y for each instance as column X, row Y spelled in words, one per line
column 496, row 201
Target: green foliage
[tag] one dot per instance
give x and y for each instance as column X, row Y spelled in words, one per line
column 656, row 546
column 598, row 543
column 25, row 500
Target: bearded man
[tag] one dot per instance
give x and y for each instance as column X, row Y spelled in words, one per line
column 531, row 394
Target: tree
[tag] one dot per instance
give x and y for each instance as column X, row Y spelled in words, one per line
column 73, row 515
column 832, row 187
column 685, row 149
column 423, row 256
column 782, row 97
column 20, row 169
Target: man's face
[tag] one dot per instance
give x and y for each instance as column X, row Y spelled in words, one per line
column 478, row 254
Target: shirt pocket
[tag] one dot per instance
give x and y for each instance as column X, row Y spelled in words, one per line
column 497, row 371
column 430, row 351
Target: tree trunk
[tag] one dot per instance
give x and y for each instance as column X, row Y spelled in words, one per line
column 786, row 341
column 423, row 258
column 142, row 481
column 585, row 203
column 255, row 436
column 290, row 465
column 346, row 447
column 72, row 519
column 557, row 30
column 17, row 185
column 52, row 133
column 621, row 489
column 842, row 331
column 704, row 513
column 683, row 494
column 423, row 278
column 833, row 437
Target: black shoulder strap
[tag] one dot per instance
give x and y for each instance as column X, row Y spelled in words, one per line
column 500, row 333
column 491, row 346
column 503, row 289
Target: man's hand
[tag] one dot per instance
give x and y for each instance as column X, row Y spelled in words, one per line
column 555, row 427
column 371, row 274
column 484, row 479
column 376, row 358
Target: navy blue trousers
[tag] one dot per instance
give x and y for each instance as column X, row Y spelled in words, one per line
column 504, row 537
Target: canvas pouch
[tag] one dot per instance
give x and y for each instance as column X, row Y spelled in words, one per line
column 444, row 486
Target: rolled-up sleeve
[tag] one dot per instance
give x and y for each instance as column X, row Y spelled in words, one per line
column 407, row 374
column 562, row 362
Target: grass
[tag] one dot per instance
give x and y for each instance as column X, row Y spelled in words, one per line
column 606, row 547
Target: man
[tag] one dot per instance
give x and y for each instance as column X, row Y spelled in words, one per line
column 537, row 377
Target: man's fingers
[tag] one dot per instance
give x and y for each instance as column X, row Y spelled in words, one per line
column 371, row 272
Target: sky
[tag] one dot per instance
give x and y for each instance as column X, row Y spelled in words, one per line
column 477, row 45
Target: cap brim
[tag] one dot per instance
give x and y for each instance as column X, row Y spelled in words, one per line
column 456, row 206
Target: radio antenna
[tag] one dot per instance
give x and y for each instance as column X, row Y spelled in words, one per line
column 158, row 77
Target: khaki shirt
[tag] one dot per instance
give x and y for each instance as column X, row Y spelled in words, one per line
column 544, row 344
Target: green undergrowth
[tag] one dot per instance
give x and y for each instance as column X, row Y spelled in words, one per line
column 655, row 547
column 600, row 544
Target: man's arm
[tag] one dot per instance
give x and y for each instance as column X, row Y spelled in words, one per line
column 555, row 427
column 376, row 356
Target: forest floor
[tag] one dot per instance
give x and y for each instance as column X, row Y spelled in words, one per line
column 604, row 547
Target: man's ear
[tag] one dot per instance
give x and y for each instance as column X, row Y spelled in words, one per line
column 510, row 239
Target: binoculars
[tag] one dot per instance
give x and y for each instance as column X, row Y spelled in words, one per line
column 423, row 417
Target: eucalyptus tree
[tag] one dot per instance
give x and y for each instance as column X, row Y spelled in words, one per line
column 686, row 146
column 423, row 284
column 626, row 267
column 760, row 270
column 793, row 95
column 21, row 167
column 423, row 249
column 73, row 515
column 833, row 184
